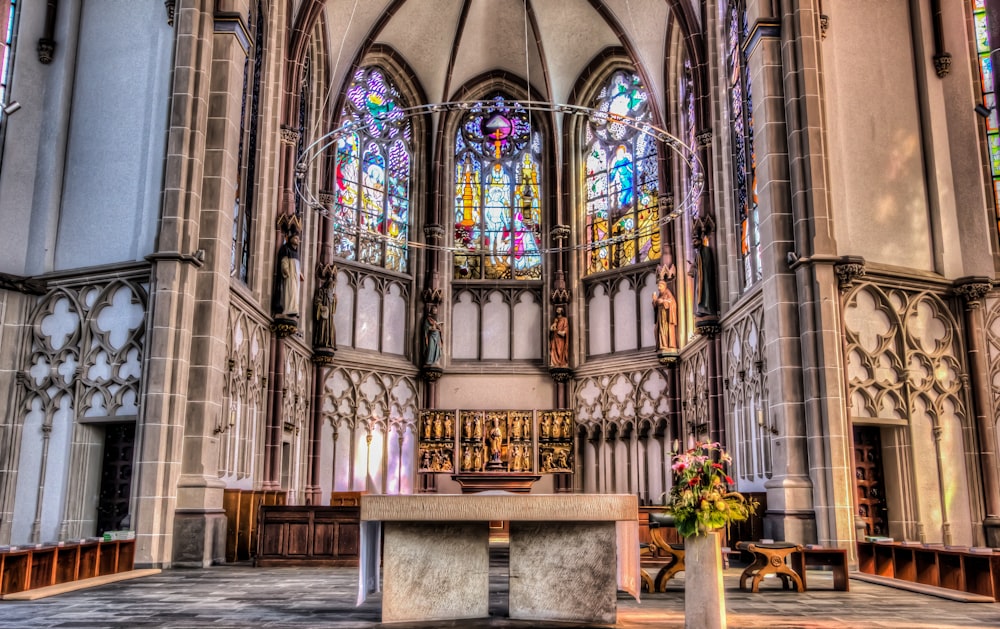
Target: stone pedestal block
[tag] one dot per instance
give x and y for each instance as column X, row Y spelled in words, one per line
column 563, row 571
column 199, row 539
column 435, row 571
column 704, row 596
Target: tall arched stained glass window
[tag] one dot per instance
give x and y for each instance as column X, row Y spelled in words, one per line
column 497, row 194
column 8, row 11
column 239, row 265
column 689, row 122
column 373, row 166
column 989, row 97
column 744, row 164
column 621, row 178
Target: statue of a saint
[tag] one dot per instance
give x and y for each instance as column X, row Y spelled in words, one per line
column 438, row 427
column 706, row 295
column 467, row 459
column 432, row 338
column 324, row 307
column 448, row 427
column 496, row 441
column 666, row 317
column 288, row 274
column 559, row 339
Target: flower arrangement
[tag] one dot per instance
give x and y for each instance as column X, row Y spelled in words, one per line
column 701, row 499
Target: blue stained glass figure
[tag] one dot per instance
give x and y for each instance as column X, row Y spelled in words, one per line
column 621, row 178
column 371, row 216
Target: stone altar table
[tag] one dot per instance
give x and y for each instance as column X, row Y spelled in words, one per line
column 569, row 554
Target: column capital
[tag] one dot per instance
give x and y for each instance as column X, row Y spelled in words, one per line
column 973, row 290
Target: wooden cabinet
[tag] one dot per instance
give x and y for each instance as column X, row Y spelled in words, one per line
column 30, row 568
column 951, row 568
column 241, row 519
column 308, row 535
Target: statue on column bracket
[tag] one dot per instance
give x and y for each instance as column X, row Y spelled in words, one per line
column 559, row 339
column 706, row 293
column 285, row 297
column 431, row 345
column 324, row 309
column 665, row 309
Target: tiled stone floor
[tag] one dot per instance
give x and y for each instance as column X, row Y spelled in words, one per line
column 265, row 598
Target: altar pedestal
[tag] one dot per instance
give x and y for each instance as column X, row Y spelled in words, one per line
column 569, row 554
column 563, row 571
column 435, row 571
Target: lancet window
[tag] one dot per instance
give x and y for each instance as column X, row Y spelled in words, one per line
column 744, row 160
column 239, row 266
column 8, row 26
column 373, row 171
column 989, row 98
column 621, row 176
column 498, row 215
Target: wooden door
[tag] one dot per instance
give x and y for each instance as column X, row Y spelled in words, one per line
column 868, row 479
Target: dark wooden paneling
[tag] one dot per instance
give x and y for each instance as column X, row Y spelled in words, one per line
column 308, row 534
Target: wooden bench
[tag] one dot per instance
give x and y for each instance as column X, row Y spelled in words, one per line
column 770, row 559
column 835, row 558
column 37, row 566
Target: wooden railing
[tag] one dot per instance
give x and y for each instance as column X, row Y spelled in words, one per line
column 27, row 568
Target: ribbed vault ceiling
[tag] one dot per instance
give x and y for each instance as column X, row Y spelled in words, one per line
column 449, row 43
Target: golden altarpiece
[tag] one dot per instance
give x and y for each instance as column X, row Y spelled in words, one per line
column 494, row 442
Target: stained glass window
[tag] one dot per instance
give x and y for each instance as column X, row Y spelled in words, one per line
column 689, row 122
column 239, row 265
column 8, row 13
column 622, row 179
column 373, row 165
column 497, row 194
column 744, row 161
column 989, row 98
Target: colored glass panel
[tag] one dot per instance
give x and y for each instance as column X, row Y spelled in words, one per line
column 372, row 213
column 498, row 194
column 981, row 23
column 8, row 13
column 621, row 178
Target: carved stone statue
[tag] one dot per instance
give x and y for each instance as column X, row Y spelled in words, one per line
column 432, row 338
column 705, row 291
column 666, row 317
column 287, row 275
column 324, row 307
column 559, row 339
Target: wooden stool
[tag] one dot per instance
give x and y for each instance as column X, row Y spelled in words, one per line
column 770, row 559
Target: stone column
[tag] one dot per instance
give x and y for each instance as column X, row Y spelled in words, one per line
column 973, row 290
column 790, row 514
column 200, row 525
column 175, row 264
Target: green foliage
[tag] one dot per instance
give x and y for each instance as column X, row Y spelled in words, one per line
column 701, row 499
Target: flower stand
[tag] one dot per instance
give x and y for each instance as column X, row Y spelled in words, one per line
column 704, row 596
